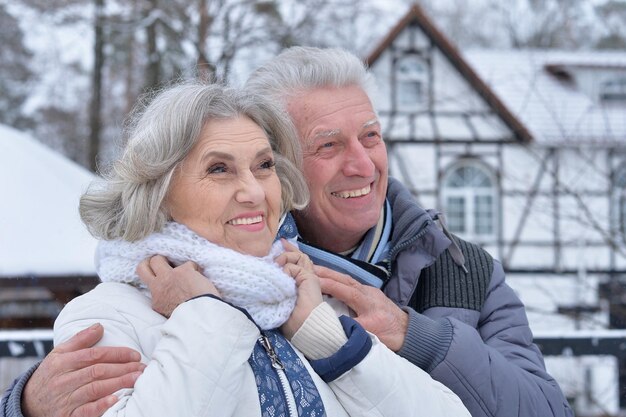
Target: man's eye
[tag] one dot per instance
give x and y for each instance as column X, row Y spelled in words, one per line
column 327, row 145
column 372, row 137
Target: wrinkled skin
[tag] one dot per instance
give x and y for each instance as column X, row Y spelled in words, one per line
column 79, row 379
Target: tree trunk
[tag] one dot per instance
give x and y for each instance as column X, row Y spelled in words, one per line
column 153, row 70
column 204, row 70
column 96, row 98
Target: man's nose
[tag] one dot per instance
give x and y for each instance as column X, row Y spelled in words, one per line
column 358, row 161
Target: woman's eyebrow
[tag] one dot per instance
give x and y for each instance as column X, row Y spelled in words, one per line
column 230, row 157
column 218, row 155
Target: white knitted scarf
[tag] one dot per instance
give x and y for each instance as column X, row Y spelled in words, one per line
column 256, row 284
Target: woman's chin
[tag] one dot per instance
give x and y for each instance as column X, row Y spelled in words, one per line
column 257, row 250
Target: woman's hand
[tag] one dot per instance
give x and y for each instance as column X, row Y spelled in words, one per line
column 172, row 286
column 298, row 265
column 293, row 255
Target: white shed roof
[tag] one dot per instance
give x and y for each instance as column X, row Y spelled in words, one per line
column 555, row 111
column 41, row 233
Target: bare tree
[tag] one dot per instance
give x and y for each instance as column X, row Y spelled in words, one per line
column 15, row 71
column 96, row 90
column 612, row 16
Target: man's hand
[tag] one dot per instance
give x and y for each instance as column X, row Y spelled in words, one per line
column 78, row 380
column 374, row 311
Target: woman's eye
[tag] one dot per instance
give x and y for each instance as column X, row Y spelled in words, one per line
column 269, row 164
column 217, row 169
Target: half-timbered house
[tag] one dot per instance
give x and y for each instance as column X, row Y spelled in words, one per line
column 525, row 153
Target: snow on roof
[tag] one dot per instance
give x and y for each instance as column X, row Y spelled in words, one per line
column 40, row 229
column 554, row 110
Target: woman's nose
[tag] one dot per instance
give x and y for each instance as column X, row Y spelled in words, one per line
column 250, row 189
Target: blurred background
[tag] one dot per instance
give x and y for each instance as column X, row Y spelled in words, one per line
column 508, row 117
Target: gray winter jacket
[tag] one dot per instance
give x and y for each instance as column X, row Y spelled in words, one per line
column 11, row 403
column 468, row 330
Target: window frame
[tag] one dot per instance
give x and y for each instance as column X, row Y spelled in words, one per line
column 403, row 80
column 469, row 195
column 613, row 90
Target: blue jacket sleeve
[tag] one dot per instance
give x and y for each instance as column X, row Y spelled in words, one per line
column 11, row 403
column 348, row 356
column 493, row 367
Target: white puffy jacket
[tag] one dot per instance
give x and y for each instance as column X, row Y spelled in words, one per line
column 197, row 362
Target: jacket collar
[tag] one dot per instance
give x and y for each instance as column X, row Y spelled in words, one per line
column 416, row 242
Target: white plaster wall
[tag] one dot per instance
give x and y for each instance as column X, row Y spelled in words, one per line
column 531, row 257
column 620, row 259
column 543, row 294
column 583, row 217
column 599, row 395
column 490, row 127
column 584, row 257
column 419, row 161
column 412, row 37
column 537, row 226
column 584, row 169
column 453, row 127
column 521, row 167
column 381, row 70
column 452, row 92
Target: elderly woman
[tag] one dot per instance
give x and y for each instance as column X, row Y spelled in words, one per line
column 203, row 182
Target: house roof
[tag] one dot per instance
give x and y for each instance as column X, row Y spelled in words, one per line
column 41, row 234
column 552, row 92
column 416, row 15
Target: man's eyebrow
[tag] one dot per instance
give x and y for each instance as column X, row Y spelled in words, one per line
column 310, row 141
column 326, row 133
column 370, row 123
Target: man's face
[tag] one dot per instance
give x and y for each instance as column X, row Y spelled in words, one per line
column 345, row 165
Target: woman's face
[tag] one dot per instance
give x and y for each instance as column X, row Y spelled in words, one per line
column 226, row 189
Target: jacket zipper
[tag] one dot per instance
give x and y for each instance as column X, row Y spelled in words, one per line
column 280, row 371
column 396, row 249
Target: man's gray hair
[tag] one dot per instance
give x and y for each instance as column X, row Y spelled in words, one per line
column 128, row 202
column 302, row 68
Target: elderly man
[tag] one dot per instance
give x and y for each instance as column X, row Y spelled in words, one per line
column 436, row 300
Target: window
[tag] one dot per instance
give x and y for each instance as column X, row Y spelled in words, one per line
column 469, row 201
column 613, row 90
column 411, row 77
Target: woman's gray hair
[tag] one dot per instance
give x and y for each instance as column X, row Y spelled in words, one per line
column 128, row 202
column 302, row 68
